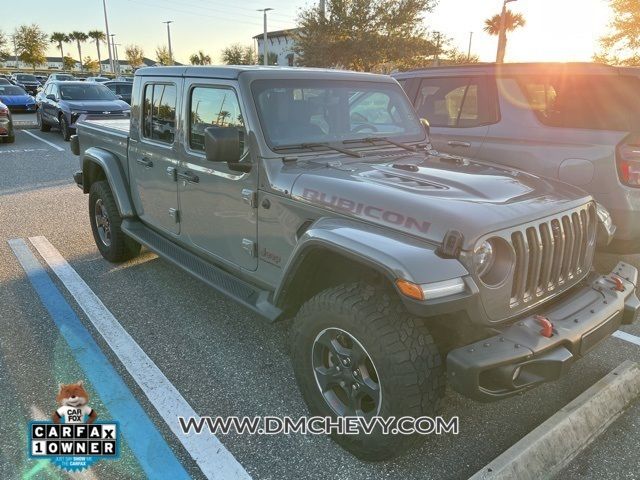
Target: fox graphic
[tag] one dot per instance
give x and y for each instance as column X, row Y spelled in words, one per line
column 73, row 400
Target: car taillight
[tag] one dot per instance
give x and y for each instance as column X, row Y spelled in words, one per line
column 628, row 160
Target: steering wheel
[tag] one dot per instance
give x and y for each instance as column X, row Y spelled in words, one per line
column 364, row 126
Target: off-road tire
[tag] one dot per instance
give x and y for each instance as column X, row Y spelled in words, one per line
column 121, row 246
column 42, row 125
column 406, row 358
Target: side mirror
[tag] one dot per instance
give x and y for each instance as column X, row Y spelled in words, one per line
column 51, row 96
column 427, row 127
column 222, row 144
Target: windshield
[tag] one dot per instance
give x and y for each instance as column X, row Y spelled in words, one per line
column 11, row 90
column 64, row 77
column 296, row 112
column 86, row 91
column 26, row 78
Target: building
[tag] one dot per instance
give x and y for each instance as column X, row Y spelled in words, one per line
column 51, row 63
column 125, row 66
column 280, row 42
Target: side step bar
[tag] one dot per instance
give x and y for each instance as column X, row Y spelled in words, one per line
column 240, row 291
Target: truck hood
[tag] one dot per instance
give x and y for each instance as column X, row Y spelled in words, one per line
column 97, row 105
column 428, row 196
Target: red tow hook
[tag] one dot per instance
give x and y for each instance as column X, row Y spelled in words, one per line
column 545, row 323
column 617, row 281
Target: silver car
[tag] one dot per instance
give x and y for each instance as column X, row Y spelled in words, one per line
column 579, row 123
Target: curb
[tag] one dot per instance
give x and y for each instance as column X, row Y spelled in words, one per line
column 550, row 447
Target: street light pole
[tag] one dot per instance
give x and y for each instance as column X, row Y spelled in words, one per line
column 265, row 52
column 116, row 64
column 469, row 52
column 169, row 22
column 106, row 27
column 502, row 35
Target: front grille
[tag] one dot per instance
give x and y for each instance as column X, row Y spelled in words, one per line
column 554, row 254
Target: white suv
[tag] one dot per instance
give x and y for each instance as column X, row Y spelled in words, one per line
column 579, row 123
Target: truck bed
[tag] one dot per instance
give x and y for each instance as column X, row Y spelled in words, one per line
column 110, row 134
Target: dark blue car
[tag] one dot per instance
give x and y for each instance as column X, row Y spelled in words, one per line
column 17, row 99
column 62, row 104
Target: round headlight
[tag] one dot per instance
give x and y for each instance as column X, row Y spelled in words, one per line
column 493, row 260
column 483, row 258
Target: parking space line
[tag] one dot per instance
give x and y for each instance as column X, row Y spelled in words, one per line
column 51, row 144
column 215, row 461
column 147, row 444
column 627, row 336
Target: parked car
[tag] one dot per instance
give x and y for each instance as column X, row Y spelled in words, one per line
column 578, row 123
column 7, row 134
column 4, row 81
column 61, row 77
column 97, row 79
column 17, row 99
column 27, row 81
column 314, row 195
column 7, row 77
column 42, row 78
column 125, row 79
column 122, row 89
column 64, row 102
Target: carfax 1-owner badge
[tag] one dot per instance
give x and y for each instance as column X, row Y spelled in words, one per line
column 73, row 440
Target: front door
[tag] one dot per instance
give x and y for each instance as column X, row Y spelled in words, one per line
column 218, row 213
column 153, row 159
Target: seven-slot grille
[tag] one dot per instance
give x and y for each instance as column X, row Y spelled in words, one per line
column 555, row 253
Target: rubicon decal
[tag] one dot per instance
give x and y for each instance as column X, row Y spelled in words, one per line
column 367, row 211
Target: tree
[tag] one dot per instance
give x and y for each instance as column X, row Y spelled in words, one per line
column 622, row 45
column 79, row 37
column 91, row 65
column 60, row 38
column 4, row 53
column 68, row 63
column 238, row 54
column 98, row 36
column 134, row 55
column 360, row 34
column 272, row 59
column 200, row 58
column 456, row 57
column 163, row 57
column 512, row 21
column 31, row 44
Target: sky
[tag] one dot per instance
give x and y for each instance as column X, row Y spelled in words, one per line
column 556, row 30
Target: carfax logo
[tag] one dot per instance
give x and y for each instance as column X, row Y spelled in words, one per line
column 74, row 440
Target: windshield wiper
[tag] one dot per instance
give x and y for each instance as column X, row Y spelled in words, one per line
column 372, row 140
column 310, row 146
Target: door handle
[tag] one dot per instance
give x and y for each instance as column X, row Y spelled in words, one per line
column 189, row 177
column 145, row 162
column 456, row 143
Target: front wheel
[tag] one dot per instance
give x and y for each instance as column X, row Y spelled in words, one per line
column 357, row 352
column 65, row 129
column 44, row 127
column 105, row 221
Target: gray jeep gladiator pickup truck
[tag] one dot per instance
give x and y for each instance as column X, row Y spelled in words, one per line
column 315, row 195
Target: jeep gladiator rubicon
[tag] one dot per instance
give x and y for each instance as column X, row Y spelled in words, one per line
column 315, row 195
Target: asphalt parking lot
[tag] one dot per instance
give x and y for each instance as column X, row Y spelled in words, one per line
column 222, row 359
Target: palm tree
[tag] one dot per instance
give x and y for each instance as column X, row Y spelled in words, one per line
column 79, row 37
column 200, row 58
column 59, row 38
column 512, row 21
column 98, row 36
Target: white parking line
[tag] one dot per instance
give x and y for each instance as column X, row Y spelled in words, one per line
column 215, row 461
column 627, row 336
column 51, row 144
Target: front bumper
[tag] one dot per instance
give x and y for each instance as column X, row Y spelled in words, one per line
column 519, row 357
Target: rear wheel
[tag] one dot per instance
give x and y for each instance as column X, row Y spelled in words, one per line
column 44, row 127
column 105, row 221
column 357, row 352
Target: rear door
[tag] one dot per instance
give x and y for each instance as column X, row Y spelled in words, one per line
column 153, row 156
column 459, row 110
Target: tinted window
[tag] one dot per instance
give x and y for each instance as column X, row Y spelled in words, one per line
column 124, row 89
column 159, row 112
column 585, row 101
column 306, row 111
column 11, row 90
column 86, row 91
column 26, row 78
column 456, row 102
column 212, row 107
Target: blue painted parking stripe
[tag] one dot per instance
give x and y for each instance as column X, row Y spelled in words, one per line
column 154, row 455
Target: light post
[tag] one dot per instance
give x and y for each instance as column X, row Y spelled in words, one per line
column 502, row 35
column 169, row 22
column 265, row 52
column 469, row 51
column 106, row 27
column 116, row 64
